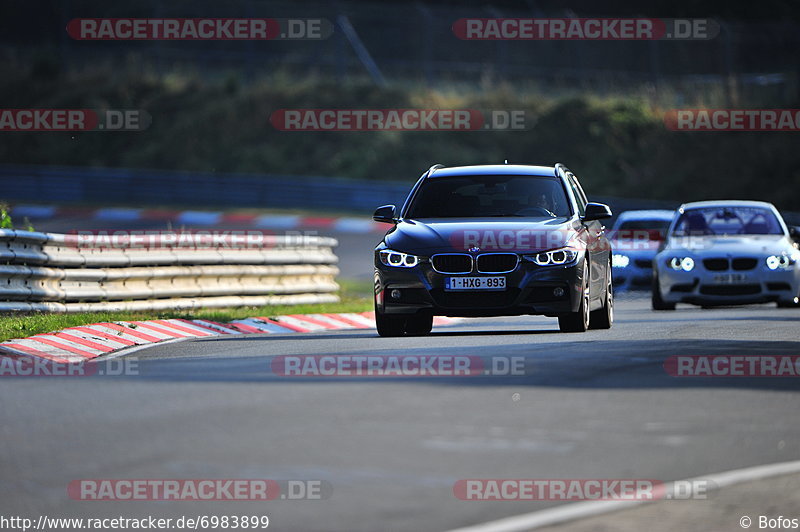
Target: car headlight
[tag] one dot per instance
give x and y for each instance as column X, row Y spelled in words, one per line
column 556, row 257
column 780, row 262
column 681, row 263
column 398, row 259
column 620, row 261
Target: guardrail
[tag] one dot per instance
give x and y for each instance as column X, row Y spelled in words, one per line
column 84, row 273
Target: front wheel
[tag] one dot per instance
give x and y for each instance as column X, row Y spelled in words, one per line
column 603, row 318
column 657, row 301
column 793, row 303
column 578, row 321
column 389, row 326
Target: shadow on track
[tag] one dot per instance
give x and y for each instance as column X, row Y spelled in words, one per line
column 630, row 364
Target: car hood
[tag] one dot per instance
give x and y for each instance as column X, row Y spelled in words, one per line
column 731, row 245
column 489, row 234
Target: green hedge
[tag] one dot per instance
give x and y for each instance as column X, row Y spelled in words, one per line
column 618, row 146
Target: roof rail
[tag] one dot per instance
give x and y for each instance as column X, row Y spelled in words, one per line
column 562, row 168
column 432, row 168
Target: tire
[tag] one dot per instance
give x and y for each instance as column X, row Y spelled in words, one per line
column 603, row 318
column 389, row 326
column 419, row 325
column 578, row 321
column 657, row 302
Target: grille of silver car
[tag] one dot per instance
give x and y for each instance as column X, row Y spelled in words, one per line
column 721, row 264
column 744, row 263
column 716, row 265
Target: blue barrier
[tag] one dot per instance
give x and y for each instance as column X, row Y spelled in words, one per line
column 121, row 186
column 108, row 186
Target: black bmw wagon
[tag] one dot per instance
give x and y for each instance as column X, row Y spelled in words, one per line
column 493, row 240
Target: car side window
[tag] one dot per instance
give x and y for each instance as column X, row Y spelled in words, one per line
column 577, row 191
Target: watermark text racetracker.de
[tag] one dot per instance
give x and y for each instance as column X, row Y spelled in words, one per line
column 536, row 240
column 28, row 366
column 733, row 365
column 583, row 29
column 74, row 120
column 396, row 366
column 787, row 120
column 592, row 489
column 187, row 239
column 400, row 120
column 199, row 489
column 198, row 29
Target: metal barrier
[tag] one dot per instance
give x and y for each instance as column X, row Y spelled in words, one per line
column 83, row 273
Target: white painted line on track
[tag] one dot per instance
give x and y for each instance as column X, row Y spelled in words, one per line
column 582, row 510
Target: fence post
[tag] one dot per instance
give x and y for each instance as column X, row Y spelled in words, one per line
column 360, row 50
column 730, row 81
column 427, row 32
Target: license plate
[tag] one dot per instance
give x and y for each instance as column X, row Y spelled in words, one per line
column 730, row 278
column 475, row 283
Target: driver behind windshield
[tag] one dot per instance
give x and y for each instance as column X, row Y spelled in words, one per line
column 541, row 201
column 728, row 221
column 479, row 196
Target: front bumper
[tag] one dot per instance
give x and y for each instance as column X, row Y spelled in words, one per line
column 703, row 287
column 529, row 290
column 638, row 275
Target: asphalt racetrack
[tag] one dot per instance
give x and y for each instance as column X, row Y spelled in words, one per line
column 592, row 405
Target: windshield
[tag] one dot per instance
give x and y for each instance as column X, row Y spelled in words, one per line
column 489, row 196
column 727, row 221
column 654, row 229
column 636, row 225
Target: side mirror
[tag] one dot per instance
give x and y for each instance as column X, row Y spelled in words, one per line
column 385, row 214
column 597, row 211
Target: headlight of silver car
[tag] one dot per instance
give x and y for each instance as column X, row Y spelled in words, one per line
column 681, row 263
column 397, row 259
column 780, row 262
column 620, row 261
